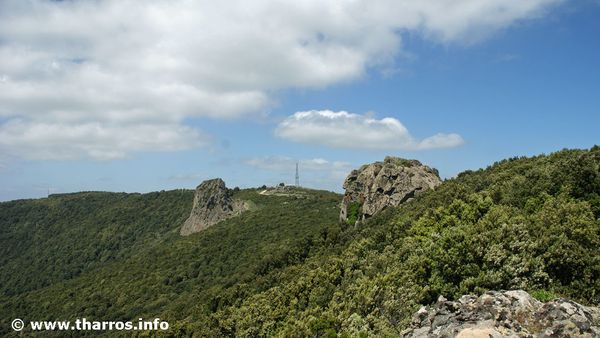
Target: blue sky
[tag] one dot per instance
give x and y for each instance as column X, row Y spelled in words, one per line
column 166, row 105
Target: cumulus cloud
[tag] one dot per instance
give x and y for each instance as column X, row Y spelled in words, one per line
column 355, row 131
column 54, row 141
column 116, row 64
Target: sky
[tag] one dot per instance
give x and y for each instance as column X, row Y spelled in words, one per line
column 139, row 96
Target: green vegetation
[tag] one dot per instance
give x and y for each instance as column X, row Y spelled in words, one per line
column 400, row 161
column 288, row 268
column 354, row 212
column 543, row 295
column 50, row 240
column 120, row 256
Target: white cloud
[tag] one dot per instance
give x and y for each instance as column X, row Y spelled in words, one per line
column 115, row 64
column 354, row 131
column 48, row 141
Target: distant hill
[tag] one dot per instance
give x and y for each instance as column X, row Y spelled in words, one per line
column 290, row 268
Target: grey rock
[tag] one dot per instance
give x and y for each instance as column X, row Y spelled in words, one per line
column 213, row 203
column 505, row 314
column 382, row 184
column 420, row 316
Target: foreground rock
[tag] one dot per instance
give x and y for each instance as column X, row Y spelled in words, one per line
column 376, row 186
column 212, row 204
column 505, row 314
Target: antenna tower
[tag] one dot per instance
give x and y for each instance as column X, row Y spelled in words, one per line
column 297, row 176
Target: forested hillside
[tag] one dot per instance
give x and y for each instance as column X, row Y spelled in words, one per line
column 108, row 255
column 55, row 239
column 289, row 268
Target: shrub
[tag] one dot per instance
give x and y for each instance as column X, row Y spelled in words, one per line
column 354, row 212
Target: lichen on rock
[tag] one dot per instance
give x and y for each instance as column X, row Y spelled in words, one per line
column 375, row 186
column 505, row 314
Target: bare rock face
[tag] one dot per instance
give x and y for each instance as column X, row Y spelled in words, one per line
column 505, row 314
column 378, row 185
column 212, row 204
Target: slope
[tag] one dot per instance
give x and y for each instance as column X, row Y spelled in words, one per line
column 290, row 269
column 135, row 263
column 522, row 223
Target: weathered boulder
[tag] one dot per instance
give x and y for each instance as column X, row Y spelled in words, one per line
column 505, row 314
column 378, row 185
column 213, row 203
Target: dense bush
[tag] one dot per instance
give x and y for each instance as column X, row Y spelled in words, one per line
column 354, row 212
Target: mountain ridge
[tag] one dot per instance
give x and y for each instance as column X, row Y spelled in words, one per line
column 290, row 268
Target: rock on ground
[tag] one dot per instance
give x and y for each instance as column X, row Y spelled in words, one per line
column 505, row 314
column 378, row 185
column 212, row 204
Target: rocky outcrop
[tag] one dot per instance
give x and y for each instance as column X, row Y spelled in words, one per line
column 378, row 185
column 213, row 203
column 505, row 314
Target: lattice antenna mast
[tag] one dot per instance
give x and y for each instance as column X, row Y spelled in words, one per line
column 297, row 176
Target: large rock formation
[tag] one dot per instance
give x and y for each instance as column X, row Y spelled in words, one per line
column 381, row 184
column 505, row 314
column 212, row 204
